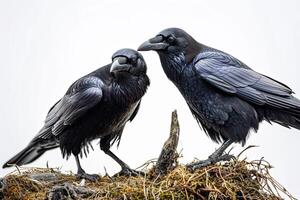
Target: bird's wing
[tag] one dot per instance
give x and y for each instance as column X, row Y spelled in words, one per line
column 84, row 94
column 226, row 73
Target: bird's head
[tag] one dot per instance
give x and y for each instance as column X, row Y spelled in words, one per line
column 172, row 41
column 128, row 62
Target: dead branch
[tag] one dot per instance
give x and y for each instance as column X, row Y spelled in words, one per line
column 168, row 157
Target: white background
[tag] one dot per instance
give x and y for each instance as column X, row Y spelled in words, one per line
column 46, row 45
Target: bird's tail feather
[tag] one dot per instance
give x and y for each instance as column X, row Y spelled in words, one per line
column 283, row 118
column 30, row 153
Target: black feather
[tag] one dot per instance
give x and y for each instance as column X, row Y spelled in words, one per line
column 97, row 105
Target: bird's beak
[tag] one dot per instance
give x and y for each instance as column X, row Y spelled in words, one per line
column 120, row 65
column 155, row 44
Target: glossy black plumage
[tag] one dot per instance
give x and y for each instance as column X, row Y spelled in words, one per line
column 97, row 105
column 226, row 96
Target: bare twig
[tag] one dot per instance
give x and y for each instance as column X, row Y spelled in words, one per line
column 168, row 155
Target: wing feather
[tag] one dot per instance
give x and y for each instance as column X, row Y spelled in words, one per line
column 233, row 77
column 84, row 94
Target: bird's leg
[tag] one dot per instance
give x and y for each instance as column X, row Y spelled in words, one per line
column 219, row 152
column 126, row 170
column 82, row 174
column 215, row 157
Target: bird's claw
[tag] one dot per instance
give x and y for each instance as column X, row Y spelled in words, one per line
column 91, row 177
column 130, row 172
column 210, row 161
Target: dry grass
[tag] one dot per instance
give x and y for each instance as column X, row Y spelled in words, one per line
column 231, row 180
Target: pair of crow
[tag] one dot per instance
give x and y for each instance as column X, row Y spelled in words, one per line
column 227, row 98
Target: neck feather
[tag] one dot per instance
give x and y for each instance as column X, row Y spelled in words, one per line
column 130, row 89
column 173, row 65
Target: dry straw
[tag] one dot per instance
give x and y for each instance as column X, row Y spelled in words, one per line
column 230, row 180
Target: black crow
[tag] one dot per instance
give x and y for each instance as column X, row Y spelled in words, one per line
column 227, row 98
column 96, row 106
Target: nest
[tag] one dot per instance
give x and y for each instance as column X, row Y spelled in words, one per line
column 230, row 180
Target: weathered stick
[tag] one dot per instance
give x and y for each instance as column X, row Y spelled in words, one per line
column 168, row 156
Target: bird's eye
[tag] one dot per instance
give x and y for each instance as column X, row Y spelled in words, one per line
column 171, row 39
column 132, row 61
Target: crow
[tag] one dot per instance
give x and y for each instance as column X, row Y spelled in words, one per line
column 227, row 98
column 96, row 106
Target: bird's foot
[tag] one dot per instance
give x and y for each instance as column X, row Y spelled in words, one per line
column 91, row 177
column 129, row 172
column 210, row 161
